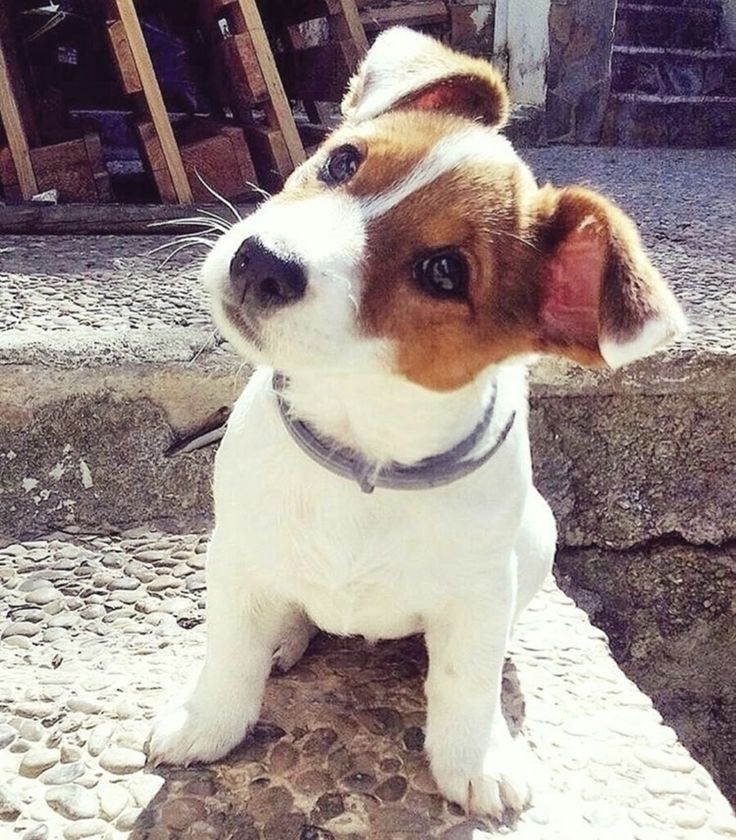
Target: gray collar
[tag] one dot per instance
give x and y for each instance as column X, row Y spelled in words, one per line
column 434, row 471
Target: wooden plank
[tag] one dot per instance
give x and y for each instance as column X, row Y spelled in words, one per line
column 242, row 70
column 9, row 177
column 96, row 159
column 354, row 25
column 280, row 110
column 242, row 155
column 213, row 159
column 270, row 155
column 92, row 219
column 154, row 100
column 433, row 13
column 65, row 167
column 153, row 157
column 130, row 79
column 15, row 132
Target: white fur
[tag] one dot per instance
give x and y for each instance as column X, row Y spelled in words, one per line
column 472, row 146
column 651, row 337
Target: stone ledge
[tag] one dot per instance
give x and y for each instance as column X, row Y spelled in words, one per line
column 99, row 629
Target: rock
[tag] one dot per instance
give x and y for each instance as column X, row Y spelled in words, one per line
column 127, row 819
column 73, row 802
column 20, row 628
column 36, row 832
column 36, row 760
column 70, row 753
column 178, row 813
column 123, row 583
column 83, row 704
column 10, row 805
column 99, row 738
column 162, row 582
column 122, row 760
column 62, row 774
column 92, row 611
column 22, row 642
column 35, row 709
column 32, row 730
column 7, row 735
column 113, row 799
column 85, row 828
column 43, row 596
column 144, row 787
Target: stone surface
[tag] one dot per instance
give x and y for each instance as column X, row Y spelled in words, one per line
column 669, row 612
column 338, row 751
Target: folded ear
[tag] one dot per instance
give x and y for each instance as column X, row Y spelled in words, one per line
column 405, row 69
column 599, row 297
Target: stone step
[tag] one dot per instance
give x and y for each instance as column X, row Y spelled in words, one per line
column 97, row 631
column 669, row 72
column 658, row 25
column 641, row 119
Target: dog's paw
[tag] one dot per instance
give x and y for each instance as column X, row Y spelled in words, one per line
column 499, row 787
column 183, row 733
column 295, row 641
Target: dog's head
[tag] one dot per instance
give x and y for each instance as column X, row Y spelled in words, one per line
column 416, row 242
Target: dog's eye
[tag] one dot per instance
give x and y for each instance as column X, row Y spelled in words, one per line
column 442, row 275
column 340, row 166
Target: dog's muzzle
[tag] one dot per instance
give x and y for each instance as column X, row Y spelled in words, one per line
column 261, row 278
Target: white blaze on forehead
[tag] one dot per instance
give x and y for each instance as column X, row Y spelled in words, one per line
column 474, row 145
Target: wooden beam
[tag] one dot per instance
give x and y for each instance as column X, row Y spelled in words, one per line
column 83, row 219
column 354, row 25
column 154, row 100
column 15, row 132
column 280, row 108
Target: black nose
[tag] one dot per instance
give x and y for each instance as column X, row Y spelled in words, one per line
column 265, row 278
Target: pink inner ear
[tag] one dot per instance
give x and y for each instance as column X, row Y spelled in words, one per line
column 571, row 290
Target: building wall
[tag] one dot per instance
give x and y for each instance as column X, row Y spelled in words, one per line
column 521, row 47
column 579, row 69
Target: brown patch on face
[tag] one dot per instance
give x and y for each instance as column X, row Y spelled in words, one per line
column 474, row 211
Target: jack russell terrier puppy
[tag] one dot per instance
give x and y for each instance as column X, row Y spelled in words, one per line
column 375, row 476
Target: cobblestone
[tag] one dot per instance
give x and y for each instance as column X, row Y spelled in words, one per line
column 338, row 751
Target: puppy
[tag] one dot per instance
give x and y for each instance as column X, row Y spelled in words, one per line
column 375, row 476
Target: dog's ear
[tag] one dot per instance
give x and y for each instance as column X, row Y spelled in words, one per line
column 598, row 297
column 405, row 69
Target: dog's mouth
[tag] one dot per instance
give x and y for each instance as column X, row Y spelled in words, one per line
column 247, row 329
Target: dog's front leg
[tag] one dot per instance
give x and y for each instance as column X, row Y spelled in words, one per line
column 244, row 627
column 473, row 757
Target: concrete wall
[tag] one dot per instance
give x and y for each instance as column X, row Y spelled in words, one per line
column 521, row 47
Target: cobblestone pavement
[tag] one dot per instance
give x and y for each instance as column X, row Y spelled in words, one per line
column 96, row 630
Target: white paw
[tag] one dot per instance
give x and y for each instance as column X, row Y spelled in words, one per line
column 184, row 732
column 496, row 786
column 295, row 641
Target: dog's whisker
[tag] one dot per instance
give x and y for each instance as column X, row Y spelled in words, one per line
column 258, row 190
column 205, row 345
column 221, row 198
column 178, row 250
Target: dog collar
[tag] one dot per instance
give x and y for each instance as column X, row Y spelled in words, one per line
column 435, row 471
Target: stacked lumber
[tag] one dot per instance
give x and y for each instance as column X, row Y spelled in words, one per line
column 75, row 168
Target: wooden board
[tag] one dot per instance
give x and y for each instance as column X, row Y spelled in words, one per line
column 270, row 155
column 169, row 150
column 223, row 164
column 318, row 73
column 120, row 219
column 279, row 111
column 242, row 70
column 432, row 13
column 130, row 79
column 153, row 157
column 15, row 131
column 354, row 25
